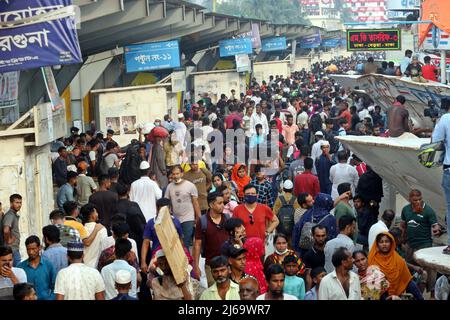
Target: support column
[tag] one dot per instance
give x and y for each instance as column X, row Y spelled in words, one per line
column 443, row 66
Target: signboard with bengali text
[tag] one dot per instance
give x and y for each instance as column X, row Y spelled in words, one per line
column 373, row 39
column 232, row 47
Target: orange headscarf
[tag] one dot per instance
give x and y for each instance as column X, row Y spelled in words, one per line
column 240, row 182
column 393, row 266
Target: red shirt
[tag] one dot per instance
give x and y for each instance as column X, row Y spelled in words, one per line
column 261, row 215
column 306, row 182
column 230, row 118
column 361, row 168
column 428, row 72
column 346, row 114
column 214, row 237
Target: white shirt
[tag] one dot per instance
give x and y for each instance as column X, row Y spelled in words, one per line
column 109, row 277
column 109, row 242
column 331, row 288
column 256, row 99
column 6, row 285
column 145, row 192
column 293, row 111
column 180, row 131
column 262, row 119
column 79, row 282
column 92, row 253
column 285, row 297
column 375, row 230
column 92, row 155
column 302, row 120
column 316, row 151
column 341, row 173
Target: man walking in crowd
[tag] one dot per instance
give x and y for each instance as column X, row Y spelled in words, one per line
column 209, row 235
column 342, row 173
column 145, row 192
column 307, row 182
column 105, row 202
column 341, row 283
column 93, row 251
column 259, row 220
column 347, row 226
column 10, row 226
column 9, row 275
column 40, row 271
column 78, row 281
column 67, row 191
column 60, row 167
column 54, row 251
column 275, row 278
column 381, row 226
column 85, row 184
column 263, row 187
column 223, row 288
column 202, row 180
column 184, row 199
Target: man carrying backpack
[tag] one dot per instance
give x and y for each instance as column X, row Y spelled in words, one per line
column 210, row 234
column 284, row 208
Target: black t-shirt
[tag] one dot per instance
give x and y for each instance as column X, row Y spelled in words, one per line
column 314, row 258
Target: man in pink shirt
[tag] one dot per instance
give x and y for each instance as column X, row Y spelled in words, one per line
column 233, row 116
column 307, row 182
column 290, row 129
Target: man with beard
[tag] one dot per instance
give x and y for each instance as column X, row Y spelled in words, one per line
column 366, row 218
column 275, row 279
column 341, row 283
column 315, row 257
column 248, row 288
column 305, row 201
column 236, row 230
column 237, row 259
column 223, row 288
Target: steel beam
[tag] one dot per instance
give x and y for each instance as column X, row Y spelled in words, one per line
column 99, row 9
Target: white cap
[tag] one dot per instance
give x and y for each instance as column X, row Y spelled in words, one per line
column 180, row 116
column 288, row 185
column 160, row 253
column 72, row 167
column 371, row 108
column 318, row 133
column 123, row 277
column 324, row 143
column 144, row 165
column 311, row 96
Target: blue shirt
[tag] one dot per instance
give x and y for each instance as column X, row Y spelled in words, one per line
column 442, row 133
column 109, row 277
column 65, row 193
column 43, row 278
column 150, row 232
column 57, row 255
column 311, row 294
column 123, row 296
column 294, row 286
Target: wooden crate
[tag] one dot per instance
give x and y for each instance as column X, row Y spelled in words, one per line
column 171, row 244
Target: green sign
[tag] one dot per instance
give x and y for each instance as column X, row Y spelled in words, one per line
column 374, row 40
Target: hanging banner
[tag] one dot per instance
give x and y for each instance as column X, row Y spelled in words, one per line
column 243, row 63
column 274, row 44
column 178, row 79
column 152, row 56
column 9, row 84
column 310, row 42
column 254, row 34
column 52, row 89
column 373, row 40
column 46, row 36
column 232, row 47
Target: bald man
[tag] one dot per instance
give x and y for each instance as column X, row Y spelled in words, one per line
column 248, row 288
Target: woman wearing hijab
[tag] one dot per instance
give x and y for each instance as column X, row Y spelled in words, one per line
column 253, row 265
column 280, row 242
column 384, row 256
column 240, row 178
column 318, row 214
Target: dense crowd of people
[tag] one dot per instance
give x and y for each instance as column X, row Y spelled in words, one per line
column 268, row 205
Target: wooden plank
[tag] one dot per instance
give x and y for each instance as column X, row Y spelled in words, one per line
column 22, row 119
column 171, row 245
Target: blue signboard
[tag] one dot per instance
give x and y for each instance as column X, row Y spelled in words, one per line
column 48, row 43
column 274, row 44
column 343, row 42
column 232, row 47
column 309, row 42
column 152, row 56
column 330, row 43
